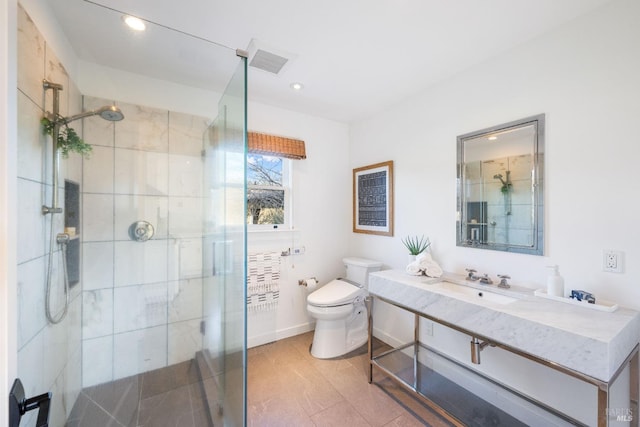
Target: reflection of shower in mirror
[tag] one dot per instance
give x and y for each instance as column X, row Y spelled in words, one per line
column 505, row 174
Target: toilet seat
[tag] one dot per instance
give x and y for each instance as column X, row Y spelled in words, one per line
column 336, row 293
column 340, row 311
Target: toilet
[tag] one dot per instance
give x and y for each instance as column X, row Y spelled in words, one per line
column 340, row 311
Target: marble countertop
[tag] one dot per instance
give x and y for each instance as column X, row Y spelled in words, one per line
column 589, row 341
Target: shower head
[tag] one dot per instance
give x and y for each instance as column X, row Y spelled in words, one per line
column 111, row 113
column 108, row 112
column 499, row 176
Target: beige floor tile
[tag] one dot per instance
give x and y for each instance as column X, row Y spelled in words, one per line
column 288, row 386
column 313, row 392
column 405, row 420
column 340, row 415
column 375, row 406
column 276, row 411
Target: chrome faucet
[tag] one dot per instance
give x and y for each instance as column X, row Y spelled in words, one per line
column 503, row 281
column 486, row 280
column 472, row 274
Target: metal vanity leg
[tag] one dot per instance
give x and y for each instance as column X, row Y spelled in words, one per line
column 603, row 405
column 369, row 302
column 630, row 414
column 416, row 346
column 634, row 392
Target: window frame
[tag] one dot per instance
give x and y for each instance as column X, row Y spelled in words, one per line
column 287, row 166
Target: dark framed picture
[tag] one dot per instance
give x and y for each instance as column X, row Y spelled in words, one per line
column 373, row 199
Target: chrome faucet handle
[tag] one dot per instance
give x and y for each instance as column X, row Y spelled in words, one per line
column 486, row 280
column 503, row 281
column 472, row 274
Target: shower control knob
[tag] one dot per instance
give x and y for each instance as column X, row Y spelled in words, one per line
column 141, row 231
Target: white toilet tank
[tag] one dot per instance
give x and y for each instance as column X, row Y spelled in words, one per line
column 358, row 269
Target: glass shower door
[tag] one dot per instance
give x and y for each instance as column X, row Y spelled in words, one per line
column 224, row 243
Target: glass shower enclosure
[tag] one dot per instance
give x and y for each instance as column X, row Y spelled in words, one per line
column 224, row 291
column 156, row 326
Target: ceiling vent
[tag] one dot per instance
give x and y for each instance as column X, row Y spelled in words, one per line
column 268, row 61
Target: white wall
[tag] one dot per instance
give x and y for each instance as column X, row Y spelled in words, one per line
column 109, row 83
column 321, row 217
column 583, row 76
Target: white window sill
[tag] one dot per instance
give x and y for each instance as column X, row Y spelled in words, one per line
column 270, row 230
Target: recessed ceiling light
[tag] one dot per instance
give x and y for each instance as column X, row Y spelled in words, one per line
column 492, row 138
column 296, row 86
column 134, row 23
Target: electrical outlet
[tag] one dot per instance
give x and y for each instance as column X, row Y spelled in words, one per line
column 612, row 261
column 428, row 328
column 298, row 250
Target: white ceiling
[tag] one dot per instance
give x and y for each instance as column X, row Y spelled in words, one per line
column 354, row 57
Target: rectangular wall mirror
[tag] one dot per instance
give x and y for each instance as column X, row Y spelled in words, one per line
column 500, row 187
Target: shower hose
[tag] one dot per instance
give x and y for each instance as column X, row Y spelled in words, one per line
column 61, row 239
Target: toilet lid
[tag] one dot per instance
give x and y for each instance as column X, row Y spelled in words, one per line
column 335, row 292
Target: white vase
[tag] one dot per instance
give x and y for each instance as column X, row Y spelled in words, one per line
column 411, row 258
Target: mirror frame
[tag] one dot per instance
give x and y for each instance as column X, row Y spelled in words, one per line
column 537, row 247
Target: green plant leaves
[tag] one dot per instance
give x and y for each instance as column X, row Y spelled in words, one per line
column 68, row 139
column 416, row 245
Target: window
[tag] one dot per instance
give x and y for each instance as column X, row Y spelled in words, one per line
column 268, row 191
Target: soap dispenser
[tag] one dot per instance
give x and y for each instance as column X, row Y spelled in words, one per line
column 555, row 283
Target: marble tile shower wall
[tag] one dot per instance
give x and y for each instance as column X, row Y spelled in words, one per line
column 49, row 356
column 142, row 301
column 483, row 186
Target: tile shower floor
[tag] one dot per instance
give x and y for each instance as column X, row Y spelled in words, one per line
column 170, row 396
column 286, row 387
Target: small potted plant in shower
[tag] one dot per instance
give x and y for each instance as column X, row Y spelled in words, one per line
column 416, row 245
column 68, row 139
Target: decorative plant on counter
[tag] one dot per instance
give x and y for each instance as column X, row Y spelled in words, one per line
column 68, row 139
column 416, row 245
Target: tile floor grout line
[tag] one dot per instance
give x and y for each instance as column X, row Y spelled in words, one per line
column 103, row 410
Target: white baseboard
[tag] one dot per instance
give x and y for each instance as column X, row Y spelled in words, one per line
column 386, row 338
column 280, row 334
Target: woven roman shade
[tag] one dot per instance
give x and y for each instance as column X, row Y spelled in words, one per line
column 261, row 143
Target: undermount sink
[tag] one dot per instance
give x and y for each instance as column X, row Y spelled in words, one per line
column 470, row 294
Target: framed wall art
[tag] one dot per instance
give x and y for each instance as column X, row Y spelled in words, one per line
column 373, row 199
